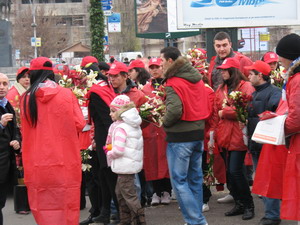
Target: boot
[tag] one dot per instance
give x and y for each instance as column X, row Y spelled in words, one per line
column 238, row 209
column 249, row 211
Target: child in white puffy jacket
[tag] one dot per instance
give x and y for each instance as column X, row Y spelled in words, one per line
column 126, row 157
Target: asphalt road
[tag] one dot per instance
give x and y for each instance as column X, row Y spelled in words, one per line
column 161, row 215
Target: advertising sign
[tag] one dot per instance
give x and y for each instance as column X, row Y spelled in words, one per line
column 236, row 13
column 157, row 19
column 114, row 22
column 252, row 39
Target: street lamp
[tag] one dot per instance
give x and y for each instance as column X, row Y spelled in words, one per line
column 34, row 25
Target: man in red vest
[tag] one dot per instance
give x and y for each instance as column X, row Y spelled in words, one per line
column 187, row 108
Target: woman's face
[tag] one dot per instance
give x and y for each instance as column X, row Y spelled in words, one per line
column 133, row 74
column 273, row 65
column 24, row 81
column 156, row 71
column 225, row 74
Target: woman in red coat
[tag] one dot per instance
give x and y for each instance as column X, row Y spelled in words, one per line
column 155, row 145
column 229, row 137
column 51, row 119
column 288, row 50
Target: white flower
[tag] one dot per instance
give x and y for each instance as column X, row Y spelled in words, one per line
column 62, row 83
column 65, row 77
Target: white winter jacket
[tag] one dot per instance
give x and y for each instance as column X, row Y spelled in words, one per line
column 131, row 160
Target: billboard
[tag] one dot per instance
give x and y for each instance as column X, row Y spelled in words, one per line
column 158, row 19
column 236, row 13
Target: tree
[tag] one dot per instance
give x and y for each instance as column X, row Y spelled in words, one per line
column 97, row 29
column 49, row 28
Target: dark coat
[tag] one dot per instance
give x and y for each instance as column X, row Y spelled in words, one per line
column 7, row 153
column 265, row 98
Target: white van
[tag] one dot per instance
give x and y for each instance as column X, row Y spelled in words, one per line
column 129, row 55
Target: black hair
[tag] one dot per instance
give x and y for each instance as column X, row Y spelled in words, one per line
column 265, row 77
column 235, row 78
column 170, row 53
column 20, row 75
column 36, row 77
column 222, row 36
column 111, row 60
column 143, row 75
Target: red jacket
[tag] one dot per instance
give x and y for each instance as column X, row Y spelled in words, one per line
column 51, row 157
column 290, row 209
column 228, row 133
column 137, row 96
column 244, row 61
column 155, row 145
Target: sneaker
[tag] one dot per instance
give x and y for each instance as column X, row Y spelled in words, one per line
column 165, row 198
column 155, row 200
column 205, row 207
column 173, row 195
column 226, row 199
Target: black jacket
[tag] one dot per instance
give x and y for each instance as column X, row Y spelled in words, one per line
column 7, row 153
column 99, row 111
column 266, row 97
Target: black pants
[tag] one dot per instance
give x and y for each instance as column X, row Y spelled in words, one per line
column 206, row 190
column 108, row 181
column 93, row 185
column 162, row 185
column 239, row 186
column 3, row 195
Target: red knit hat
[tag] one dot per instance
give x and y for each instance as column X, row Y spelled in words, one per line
column 261, row 67
column 229, row 63
column 38, row 64
column 88, row 59
column 136, row 63
column 117, row 67
column 120, row 101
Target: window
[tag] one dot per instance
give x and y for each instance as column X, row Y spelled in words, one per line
column 77, row 21
column 60, row 1
column 76, row 0
column 25, row 2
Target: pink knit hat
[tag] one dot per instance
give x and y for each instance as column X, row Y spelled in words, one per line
column 120, row 101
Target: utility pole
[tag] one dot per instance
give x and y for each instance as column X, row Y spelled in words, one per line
column 34, row 25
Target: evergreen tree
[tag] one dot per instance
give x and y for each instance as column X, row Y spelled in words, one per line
column 97, row 29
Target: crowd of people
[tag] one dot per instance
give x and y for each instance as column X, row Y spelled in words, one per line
column 137, row 163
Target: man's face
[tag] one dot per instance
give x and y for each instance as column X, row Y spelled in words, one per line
column 285, row 62
column 254, row 79
column 165, row 64
column 222, row 48
column 117, row 80
column 4, row 83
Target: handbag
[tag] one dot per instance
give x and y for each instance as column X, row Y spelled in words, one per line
column 270, row 131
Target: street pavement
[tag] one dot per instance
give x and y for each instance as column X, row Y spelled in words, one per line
column 161, row 215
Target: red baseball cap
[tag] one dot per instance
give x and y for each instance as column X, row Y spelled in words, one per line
column 155, row 62
column 117, row 67
column 38, row 64
column 88, row 59
column 22, row 69
column 261, row 67
column 136, row 63
column 270, row 57
column 229, row 63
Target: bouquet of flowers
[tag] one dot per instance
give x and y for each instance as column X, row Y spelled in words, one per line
column 85, row 156
column 79, row 82
column 276, row 78
column 153, row 111
column 240, row 103
column 209, row 178
column 197, row 56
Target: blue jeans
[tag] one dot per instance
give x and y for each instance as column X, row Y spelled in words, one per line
column 272, row 208
column 185, row 160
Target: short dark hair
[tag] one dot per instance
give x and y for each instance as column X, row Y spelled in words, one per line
column 170, row 53
column 222, row 36
column 265, row 77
